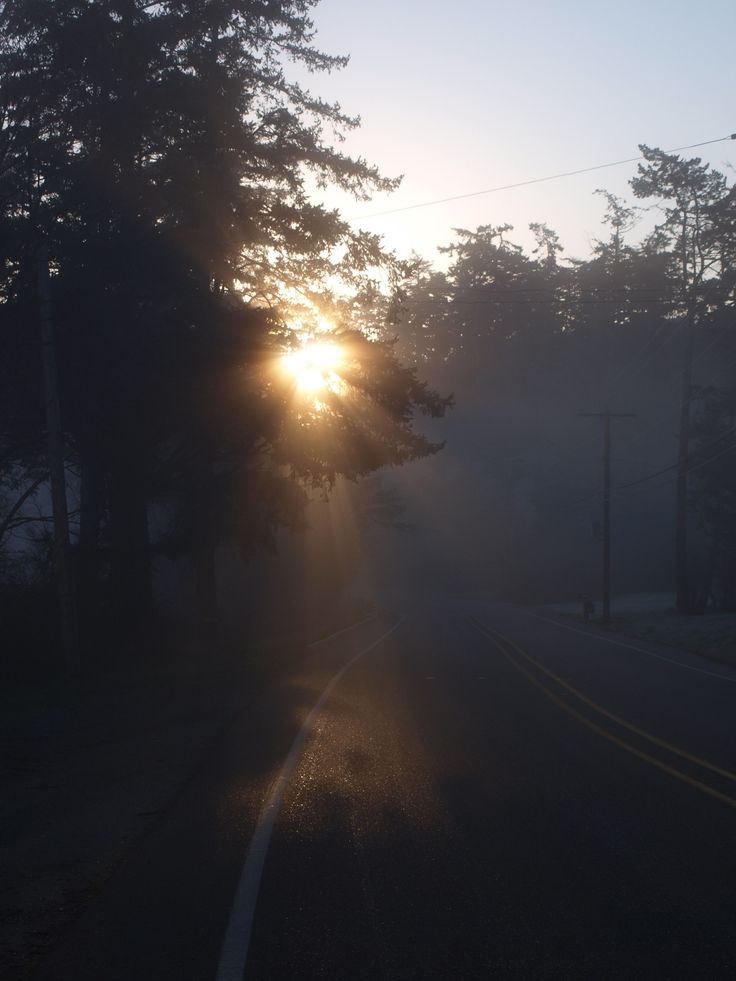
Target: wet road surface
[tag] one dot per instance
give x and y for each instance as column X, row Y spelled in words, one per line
column 483, row 794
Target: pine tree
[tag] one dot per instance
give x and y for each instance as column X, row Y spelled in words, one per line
column 162, row 154
column 693, row 194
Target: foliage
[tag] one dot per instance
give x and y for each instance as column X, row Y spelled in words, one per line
column 691, row 196
column 163, row 155
column 528, row 338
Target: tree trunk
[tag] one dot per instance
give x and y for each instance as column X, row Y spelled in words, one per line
column 130, row 572
column 88, row 564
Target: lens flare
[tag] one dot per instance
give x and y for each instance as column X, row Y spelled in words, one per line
column 314, row 366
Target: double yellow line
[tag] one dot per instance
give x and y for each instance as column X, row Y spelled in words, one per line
column 505, row 646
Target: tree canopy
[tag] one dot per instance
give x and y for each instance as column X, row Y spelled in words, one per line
column 162, row 155
column 528, row 337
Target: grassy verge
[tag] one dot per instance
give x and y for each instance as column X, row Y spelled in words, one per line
column 652, row 617
column 711, row 635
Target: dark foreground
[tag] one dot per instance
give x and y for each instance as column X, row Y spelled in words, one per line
column 458, row 812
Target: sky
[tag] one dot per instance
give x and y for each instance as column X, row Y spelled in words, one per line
column 465, row 95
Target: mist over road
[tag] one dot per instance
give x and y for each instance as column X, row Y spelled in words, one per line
column 483, row 794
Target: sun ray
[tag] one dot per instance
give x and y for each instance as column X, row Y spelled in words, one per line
column 315, row 367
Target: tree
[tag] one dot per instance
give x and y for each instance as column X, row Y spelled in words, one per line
column 693, row 194
column 423, row 316
column 162, row 154
column 620, row 296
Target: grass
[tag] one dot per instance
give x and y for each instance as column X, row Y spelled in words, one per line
column 711, row 635
column 652, row 617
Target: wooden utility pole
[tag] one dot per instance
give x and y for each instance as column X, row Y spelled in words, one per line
column 606, row 416
column 682, row 584
column 55, row 450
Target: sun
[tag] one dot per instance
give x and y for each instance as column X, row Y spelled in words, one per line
column 314, row 366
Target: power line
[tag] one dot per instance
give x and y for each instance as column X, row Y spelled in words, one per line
column 534, row 180
column 589, row 498
column 666, row 418
column 555, row 299
column 689, row 469
column 671, row 480
column 626, row 291
column 658, row 473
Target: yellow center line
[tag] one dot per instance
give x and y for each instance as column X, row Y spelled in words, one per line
column 653, row 761
column 610, row 715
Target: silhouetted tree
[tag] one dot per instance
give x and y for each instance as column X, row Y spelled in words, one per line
column 691, row 193
column 527, row 339
column 162, row 154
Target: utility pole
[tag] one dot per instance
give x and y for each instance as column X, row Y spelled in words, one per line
column 606, row 416
column 682, row 584
column 55, row 450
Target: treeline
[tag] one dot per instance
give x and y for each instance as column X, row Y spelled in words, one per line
column 153, row 169
column 154, row 166
column 528, row 339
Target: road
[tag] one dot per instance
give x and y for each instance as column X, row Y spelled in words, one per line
column 482, row 794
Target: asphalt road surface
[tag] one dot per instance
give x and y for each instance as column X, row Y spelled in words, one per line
column 480, row 794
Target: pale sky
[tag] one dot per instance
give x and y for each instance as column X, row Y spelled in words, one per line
column 465, row 95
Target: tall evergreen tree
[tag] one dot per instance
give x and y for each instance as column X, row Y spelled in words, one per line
column 162, row 154
column 692, row 194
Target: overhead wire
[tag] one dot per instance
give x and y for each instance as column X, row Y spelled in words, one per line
column 597, row 495
column 662, row 419
column 505, row 295
column 530, row 182
column 674, row 466
column 670, row 335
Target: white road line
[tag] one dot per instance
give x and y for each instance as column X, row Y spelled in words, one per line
column 237, row 936
column 339, row 633
column 632, row 647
